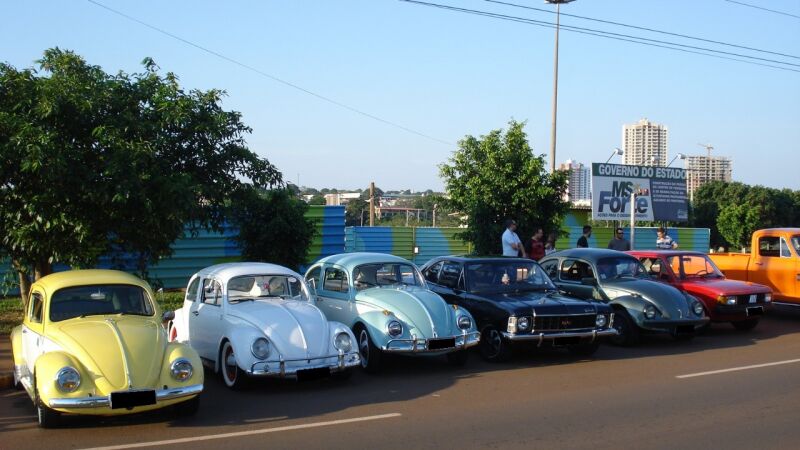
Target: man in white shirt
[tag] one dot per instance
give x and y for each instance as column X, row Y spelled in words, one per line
column 664, row 242
column 512, row 246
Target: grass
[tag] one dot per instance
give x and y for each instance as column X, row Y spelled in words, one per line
column 11, row 309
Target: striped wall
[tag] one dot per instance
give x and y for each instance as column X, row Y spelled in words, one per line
column 416, row 244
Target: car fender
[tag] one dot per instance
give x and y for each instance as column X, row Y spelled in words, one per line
column 180, row 325
column 634, row 304
column 46, row 368
column 336, row 328
column 376, row 323
column 241, row 338
column 16, row 346
column 175, row 351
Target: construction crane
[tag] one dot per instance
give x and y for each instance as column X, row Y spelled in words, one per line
column 708, row 148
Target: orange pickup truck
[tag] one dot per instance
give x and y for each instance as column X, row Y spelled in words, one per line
column 774, row 261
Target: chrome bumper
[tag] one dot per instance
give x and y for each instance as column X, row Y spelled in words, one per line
column 541, row 337
column 414, row 345
column 278, row 367
column 100, row 402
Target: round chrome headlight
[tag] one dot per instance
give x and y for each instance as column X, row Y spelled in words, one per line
column 343, row 342
column 181, row 369
column 697, row 307
column 464, row 322
column 68, row 379
column 260, row 348
column 523, row 323
column 650, row 311
column 600, row 321
column 394, row 328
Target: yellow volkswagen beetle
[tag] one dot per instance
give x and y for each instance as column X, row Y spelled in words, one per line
column 91, row 342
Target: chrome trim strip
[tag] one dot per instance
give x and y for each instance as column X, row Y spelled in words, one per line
column 541, row 337
column 100, row 402
column 125, row 366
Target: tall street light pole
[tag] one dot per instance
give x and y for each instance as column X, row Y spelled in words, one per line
column 555, row 85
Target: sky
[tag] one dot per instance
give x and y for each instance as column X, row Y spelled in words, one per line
column 444, row 75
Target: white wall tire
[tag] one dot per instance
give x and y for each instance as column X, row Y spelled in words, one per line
column 232, row 375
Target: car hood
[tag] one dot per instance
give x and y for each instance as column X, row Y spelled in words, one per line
column 422, row 309
column 521, row 303
column 105, row 345
column 717, row 286
column 297, row 329
column 670, row 301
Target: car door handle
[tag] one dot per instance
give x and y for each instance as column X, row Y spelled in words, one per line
column 196, row 313
column 758, row 263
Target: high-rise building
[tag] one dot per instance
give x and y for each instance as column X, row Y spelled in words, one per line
column 702, row 169
column 580, row 183
column 644, row 144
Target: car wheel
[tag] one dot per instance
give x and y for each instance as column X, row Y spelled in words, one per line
column 627, row 331
column 370, row 354
column 232, row 375
column 46, row 417
column 189, row 407
column 584, row 349
column 457, row 358
column 494, row 347
column 745, row 325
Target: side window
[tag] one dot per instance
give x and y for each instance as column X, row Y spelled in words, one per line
column 769, row 246
column 37, row 305
column 785, row 253
column 574, row 270
column 212, row 292
column 335, row 281
column 451, row 276
column 191, row 291
column 432, row 273
column 551, row 268
column 312, row 277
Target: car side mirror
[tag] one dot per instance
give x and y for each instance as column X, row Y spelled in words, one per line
column 589, row 281
column 167, row 316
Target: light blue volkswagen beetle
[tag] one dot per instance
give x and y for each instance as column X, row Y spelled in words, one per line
column 385, row 300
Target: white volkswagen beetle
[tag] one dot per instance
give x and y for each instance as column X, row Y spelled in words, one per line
column 258, row 319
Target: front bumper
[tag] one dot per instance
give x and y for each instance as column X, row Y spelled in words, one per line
column 417, row 345
column 162, row 395
column 674, row 326
column 289, row 367
column 539, row 338
column 726, row 313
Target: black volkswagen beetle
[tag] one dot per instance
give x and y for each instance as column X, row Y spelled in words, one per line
column 514, row 301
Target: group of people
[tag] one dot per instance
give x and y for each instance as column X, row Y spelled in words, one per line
column 536, row 248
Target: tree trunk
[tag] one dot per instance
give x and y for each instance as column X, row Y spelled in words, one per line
column 41, row 269
column 24, row 281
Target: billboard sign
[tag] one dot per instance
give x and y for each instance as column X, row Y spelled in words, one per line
column 661, row 192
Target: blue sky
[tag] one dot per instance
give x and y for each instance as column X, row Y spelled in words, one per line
column 447, row 74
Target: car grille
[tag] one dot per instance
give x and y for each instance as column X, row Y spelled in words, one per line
column 559, row 323
column 745, row 299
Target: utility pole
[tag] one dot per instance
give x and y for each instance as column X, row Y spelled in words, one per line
column 555, row 86
column 371, row 203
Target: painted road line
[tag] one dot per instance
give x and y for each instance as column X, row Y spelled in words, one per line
column 735, row 369
column 247, row 433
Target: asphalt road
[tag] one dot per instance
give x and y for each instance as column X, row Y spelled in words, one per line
column 620, row 398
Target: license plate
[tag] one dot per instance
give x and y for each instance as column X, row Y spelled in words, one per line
column 755, row 311
column 312, row 374
column 129, row 399
column 566, row 341
column 684, row 329
column 753, row 298
column 438, row 344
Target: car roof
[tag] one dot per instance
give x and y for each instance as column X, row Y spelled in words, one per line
column 226, row 271
column 350, row 260
column 88, row 277
column 664, row 252
column 592, row 254
column 479, row 259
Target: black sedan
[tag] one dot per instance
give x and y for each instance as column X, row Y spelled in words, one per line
column 514, row 301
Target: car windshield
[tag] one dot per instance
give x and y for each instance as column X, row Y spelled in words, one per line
column 81, row 301
column 620, row 267
column 796, row 244
column 253, row 287
column 385, row 274
column 512, row 276
column 694, row 266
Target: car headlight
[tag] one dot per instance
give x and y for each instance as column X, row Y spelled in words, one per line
column 600, row 321
column 260, row 348
column 697, row 307
column 512, row 325
column 650, row 311
column 181, row 369
column 68, row 379
column 464, row 322
column 523, row 324
column 767, row 298
column 395, row 328
column 343, row 342
column 727, row 299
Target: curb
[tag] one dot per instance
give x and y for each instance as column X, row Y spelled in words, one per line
column 6, row 380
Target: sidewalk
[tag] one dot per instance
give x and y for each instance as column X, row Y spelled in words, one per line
column 6, row 363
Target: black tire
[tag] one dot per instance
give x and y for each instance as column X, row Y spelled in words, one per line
column 46, row 417
column 233, row 377
column 745, row 325
column 584, row 349
column 628, row 332
column 370, row 354
column 494, row 347
column 188, row 408
column 458, row 358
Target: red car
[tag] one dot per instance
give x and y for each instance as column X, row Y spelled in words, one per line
column 739, row 302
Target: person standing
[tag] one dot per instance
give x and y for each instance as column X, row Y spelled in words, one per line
column 618, row 242
column 583, row 241
column 550, row 245
column 512, row 246
column 664, row 242
column 535, row 247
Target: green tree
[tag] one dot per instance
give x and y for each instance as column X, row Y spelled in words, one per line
column 737, row 222
column 317, row 200
column 497, row 176
column 353, row 212
column 92, row 163
column 272, row 226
